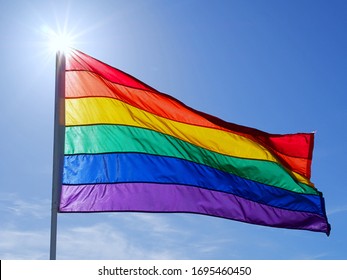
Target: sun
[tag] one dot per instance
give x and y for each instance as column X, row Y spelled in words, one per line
column 60, row 41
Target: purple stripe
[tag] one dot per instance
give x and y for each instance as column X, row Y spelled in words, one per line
column 149, row 197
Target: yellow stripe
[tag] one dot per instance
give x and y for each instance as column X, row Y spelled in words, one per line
column 100, row 110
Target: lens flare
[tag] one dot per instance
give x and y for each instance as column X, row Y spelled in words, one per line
column 58, row 41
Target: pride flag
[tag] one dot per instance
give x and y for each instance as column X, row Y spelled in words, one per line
column 129, row 147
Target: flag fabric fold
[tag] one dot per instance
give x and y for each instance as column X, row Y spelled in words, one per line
column 129, row 147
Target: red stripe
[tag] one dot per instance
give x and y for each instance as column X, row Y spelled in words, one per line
column 78, row 61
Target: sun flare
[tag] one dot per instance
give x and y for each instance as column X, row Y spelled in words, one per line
column 61, row 43
column 58, row 41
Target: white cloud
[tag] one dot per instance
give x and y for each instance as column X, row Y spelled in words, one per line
column 337, row 210
column 103, row 241
column 13, row 205
column 98, row 241
column 21, row 244
column 154, row 222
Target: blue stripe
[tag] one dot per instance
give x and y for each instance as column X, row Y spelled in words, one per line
column 133, row 167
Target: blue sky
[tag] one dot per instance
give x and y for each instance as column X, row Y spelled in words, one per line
column 279, row 66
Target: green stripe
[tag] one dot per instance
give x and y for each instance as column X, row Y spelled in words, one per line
column 96, row 139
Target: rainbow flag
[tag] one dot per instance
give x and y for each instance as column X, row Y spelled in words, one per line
column 129, row 147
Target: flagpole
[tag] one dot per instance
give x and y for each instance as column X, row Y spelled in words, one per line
column 58, row 147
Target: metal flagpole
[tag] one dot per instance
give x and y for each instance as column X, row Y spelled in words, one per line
column 58, row 147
